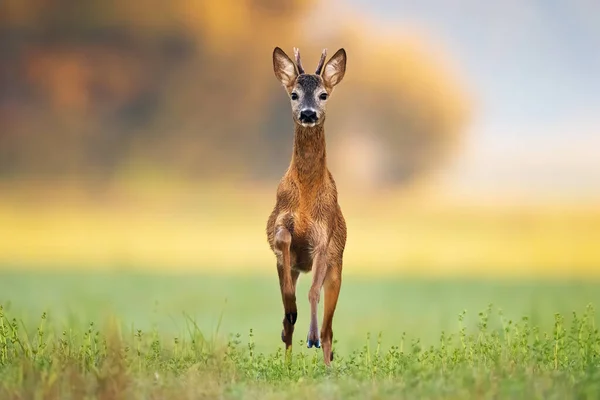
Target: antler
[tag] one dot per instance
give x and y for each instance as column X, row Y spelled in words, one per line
column 298, row 62
column 321, row 62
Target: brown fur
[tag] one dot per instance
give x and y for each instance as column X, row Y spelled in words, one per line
column 306, row 229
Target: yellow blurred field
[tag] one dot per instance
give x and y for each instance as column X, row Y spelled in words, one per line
column 221, row 229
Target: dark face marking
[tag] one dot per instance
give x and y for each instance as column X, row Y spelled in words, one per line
column 309, row 84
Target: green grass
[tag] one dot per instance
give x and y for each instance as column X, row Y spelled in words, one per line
column 200, row 336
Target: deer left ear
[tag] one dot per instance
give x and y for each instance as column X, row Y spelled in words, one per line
column 284, row 68
column 334, row 70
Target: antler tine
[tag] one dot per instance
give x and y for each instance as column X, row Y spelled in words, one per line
column 298, row 62
column 321, row 62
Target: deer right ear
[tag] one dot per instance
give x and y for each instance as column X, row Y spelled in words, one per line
column 284, row 67
column 335, row 69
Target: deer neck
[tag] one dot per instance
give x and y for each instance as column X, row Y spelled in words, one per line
column 309, row 161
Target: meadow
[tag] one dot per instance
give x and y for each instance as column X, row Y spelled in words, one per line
column 219, row 228
column 140, row 335
column 134, row 293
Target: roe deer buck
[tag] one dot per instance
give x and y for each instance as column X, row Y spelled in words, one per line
column 306, row 229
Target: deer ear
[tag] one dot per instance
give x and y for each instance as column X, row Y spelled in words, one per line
column 284, row 67
column 334, row 70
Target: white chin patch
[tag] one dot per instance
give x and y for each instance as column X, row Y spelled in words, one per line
column 308, row 124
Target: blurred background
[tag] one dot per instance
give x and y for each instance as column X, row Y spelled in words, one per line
column 150, row 136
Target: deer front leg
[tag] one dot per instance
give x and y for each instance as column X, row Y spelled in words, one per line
column 289, row 306
column 319, row 272
column 332, row 286
column 287, row 284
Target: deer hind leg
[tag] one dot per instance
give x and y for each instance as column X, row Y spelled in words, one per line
column 314, row 295
column 287, row 284
column 332, row 286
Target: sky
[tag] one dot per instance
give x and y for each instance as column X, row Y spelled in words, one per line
column 533, row 68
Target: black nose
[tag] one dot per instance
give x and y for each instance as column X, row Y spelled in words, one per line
column 308, row 116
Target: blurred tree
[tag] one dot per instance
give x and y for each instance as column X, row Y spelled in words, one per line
column 402, row 95
column 97, row 87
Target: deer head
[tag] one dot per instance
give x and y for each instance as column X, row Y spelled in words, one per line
column 309, row 92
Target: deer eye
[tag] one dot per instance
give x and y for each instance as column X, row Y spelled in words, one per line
column 323, row 96
column 294, row 96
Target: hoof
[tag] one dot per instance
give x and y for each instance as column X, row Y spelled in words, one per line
column 310, row 343
column 291, row 317
column 331, row 357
